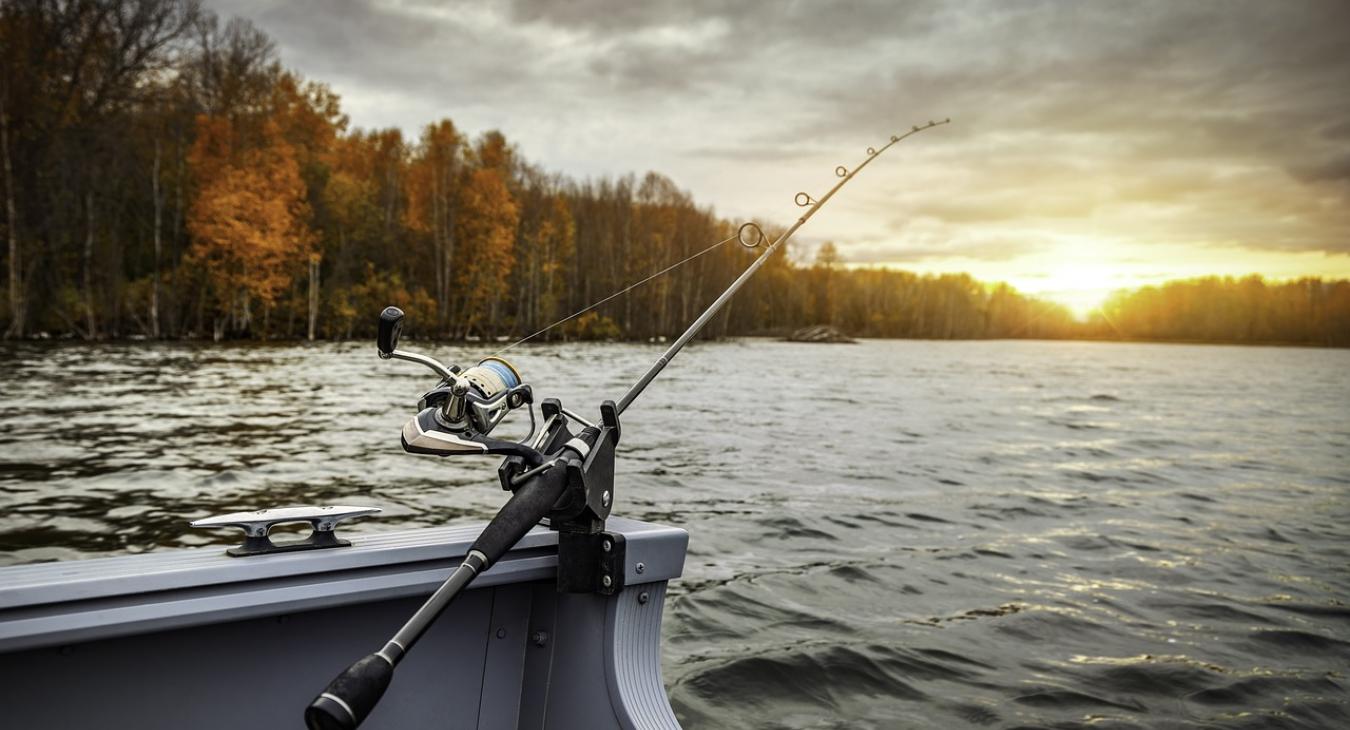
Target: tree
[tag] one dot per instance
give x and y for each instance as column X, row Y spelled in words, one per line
column 545, row 247
column 15, row 328
column 432, row 183
column 827, row 260
column 486, row 229
column 250, row 221
column 163, row 174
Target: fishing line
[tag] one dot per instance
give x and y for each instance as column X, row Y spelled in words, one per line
column 739, row 235
column 803, row 200
column 557, row 474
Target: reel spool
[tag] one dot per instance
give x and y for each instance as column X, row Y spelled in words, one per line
column 476, row 400
column 491, row 376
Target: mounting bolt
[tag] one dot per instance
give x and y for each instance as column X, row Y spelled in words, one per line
column 643, row 597
column 607, row 581
column 604, row 498
column 606, row 545
column 539, row 638
column 501, row 633
column 641, row 567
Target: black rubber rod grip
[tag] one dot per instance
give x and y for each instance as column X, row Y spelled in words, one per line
column 349, row 699
column 531, row 502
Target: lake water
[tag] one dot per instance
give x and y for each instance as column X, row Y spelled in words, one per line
column 892, row 534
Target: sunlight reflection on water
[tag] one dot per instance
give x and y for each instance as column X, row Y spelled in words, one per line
column 938, row 534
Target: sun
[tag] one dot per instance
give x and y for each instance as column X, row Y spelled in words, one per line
column 1081, row 286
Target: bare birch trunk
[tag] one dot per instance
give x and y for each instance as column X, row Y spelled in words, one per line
column 448, row 246
column 16, row 313
column 313, row 296
column 290, row 316
column 536, row 302
column 437, row 245
column 175, row 233
column 89, row 265
column 159, row 218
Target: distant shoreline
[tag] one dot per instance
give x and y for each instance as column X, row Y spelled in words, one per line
column 140, row 339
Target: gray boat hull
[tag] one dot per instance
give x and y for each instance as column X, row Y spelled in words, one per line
column 195, row 639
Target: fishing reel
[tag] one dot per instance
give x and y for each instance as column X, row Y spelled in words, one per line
column 572, row 487
column 456, row 417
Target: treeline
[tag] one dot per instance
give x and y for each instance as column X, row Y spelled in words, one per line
column 164, row 176
column 1227, row 309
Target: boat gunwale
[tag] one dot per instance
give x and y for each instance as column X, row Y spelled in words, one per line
column 40, row 584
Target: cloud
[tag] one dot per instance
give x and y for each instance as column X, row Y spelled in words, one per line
column 1210, row 123
column 1335, row 169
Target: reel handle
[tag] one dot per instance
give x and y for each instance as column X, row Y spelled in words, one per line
column 391, row 326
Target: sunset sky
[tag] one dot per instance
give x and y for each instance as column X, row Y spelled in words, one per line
column 1092, row 146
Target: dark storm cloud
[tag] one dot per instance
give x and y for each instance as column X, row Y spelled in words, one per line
column 1337, row 169
column 1222, row 122
column 389, row 49
column 757, row 25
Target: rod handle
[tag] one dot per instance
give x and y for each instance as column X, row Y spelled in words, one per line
column 349, row 698
column 531, row 502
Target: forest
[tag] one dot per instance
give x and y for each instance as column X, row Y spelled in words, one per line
column 165, row 176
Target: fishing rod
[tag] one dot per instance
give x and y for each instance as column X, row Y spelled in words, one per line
column 552, row 473
column 802, row 200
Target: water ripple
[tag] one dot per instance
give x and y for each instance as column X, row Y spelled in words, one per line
column 965, row 534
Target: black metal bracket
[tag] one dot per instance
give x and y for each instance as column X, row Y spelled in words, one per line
column 591, row 563
column 263, row 545
column 590, row 560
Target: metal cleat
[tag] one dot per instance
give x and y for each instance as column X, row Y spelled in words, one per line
column 257, row 525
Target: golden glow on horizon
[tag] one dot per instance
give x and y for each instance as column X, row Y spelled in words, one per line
column 1082, row 274
column 1080, row 285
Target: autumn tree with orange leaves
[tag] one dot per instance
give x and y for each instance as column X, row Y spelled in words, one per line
column 486, row 228
column 249, row 222
column 164, row 176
